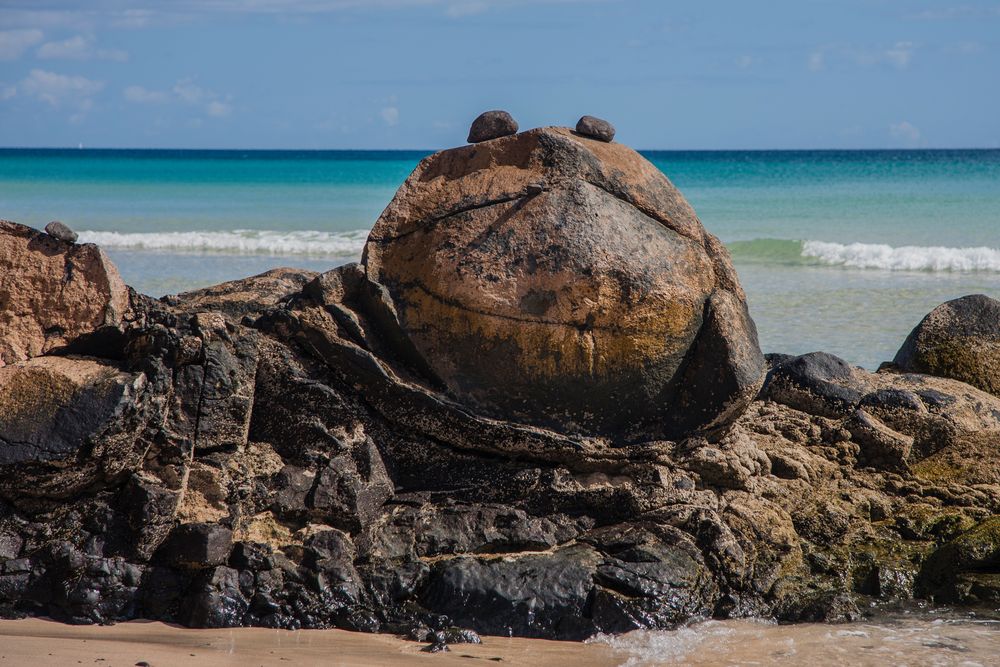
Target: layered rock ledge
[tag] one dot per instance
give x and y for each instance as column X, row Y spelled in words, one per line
column 301, row 450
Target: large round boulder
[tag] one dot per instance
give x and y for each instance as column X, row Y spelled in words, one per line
column 564, row 282
column 960, row 339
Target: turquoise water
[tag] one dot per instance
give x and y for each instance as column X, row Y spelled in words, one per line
column 842, row 251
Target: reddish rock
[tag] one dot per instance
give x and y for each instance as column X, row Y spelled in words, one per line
column 53, row 292
column 563, row 282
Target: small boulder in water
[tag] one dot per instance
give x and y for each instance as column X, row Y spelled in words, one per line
column 959, row 339
column 595, row 128
column 61, row 231
column 492, row 125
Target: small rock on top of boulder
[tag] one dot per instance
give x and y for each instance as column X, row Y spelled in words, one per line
column 960, row 339
column 552, row 280
column 595, row 128
column 492, row 125
column 61, row 231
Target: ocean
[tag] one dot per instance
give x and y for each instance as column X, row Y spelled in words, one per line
column 841, row 251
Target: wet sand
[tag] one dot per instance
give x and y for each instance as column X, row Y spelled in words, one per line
column 40, row 642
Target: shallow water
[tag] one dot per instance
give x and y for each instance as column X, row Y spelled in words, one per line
column 842, row 251
column 936, row 638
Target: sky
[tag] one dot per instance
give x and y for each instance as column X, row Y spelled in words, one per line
column 412, row 74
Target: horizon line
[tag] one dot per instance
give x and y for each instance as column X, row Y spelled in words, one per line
column 436, row 150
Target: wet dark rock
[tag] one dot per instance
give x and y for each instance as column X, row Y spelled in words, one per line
column 491, row 125
column 61, row 231
column 595, row 128
column 196, row 545
column 818, row 383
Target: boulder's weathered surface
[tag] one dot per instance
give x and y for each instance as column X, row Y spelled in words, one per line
column 491, row 125
column 281, row 452
column 959, row 339
column 53, row 292
column 595, row 304
column 596, row 128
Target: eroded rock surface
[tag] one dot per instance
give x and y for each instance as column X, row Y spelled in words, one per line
column 555, row 280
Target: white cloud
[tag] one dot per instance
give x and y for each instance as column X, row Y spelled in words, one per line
column 745, row 61
column 133, row 18
column 906, row 132
column 13, row 43
column 79, row 47
column 141, row 95
column 7, row 92
column 186, row 92
column 900, row 54
column 218, row 109
column 58, row 89
column 958, row 12
column 390, row 115
column 471, row 8
column 967, row 48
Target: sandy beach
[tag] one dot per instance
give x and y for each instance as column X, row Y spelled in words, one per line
column 41, row 642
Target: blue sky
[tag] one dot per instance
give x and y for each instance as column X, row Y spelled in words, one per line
column 414, row 73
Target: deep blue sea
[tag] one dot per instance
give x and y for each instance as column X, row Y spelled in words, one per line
column 842, row 251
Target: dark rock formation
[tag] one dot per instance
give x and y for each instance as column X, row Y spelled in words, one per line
column 491, row 125
column 959, row 339
column 61, row 231
column 596, row 305
column 595, row 128
column 281, row 451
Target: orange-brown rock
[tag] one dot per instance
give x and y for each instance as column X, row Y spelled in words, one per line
column 52, row 292
column 564, row 282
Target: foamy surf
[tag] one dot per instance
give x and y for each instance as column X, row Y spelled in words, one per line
column 923, row 638
column 868, row 255
column 236, row 242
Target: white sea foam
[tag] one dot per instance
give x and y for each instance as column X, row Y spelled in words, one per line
column 237, row 242
column 916, row 639
column 903, row 258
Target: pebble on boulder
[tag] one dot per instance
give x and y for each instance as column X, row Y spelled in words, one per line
column 595, row 128
column 61, row 231
column 492, row 125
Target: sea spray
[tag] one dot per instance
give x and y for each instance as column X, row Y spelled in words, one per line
column 867, row 255
column 903, row 258
column 237, row 241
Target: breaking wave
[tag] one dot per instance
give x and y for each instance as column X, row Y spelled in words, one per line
column 237, row 242
column 868, row 255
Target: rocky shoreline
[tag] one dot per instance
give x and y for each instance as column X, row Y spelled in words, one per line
column 356, row 450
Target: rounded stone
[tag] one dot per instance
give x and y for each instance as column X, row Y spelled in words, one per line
column 595, row 128
column 960, row 339
column 61, row 231
column 491, row 125
column 547, row 279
